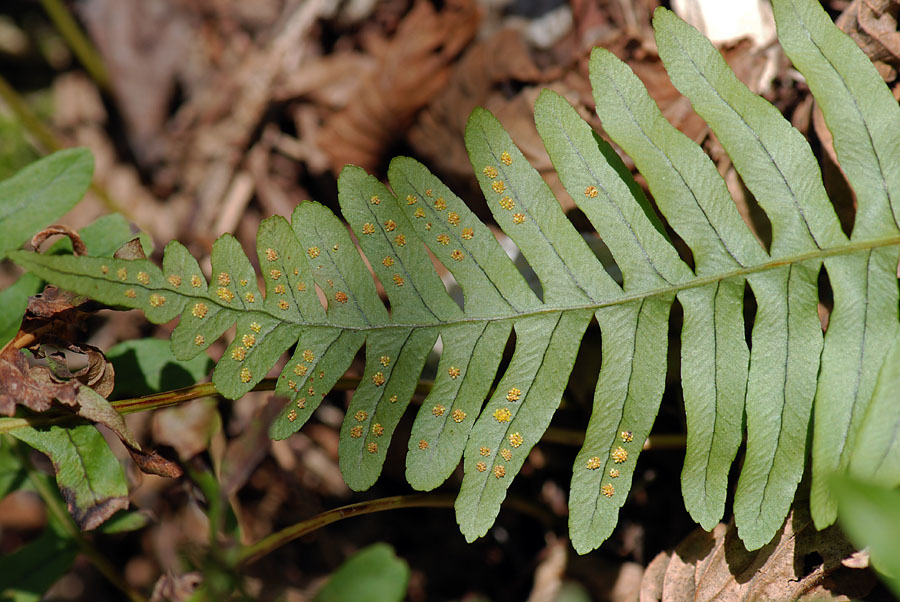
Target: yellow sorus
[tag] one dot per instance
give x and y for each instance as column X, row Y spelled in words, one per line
column 502, row 415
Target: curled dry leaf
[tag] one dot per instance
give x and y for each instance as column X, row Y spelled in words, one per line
column 18, row 387
column 98, row 374
column 35, row 387
column 413, row 67
column 801, row 563
column 873, row 25
column 78, row 246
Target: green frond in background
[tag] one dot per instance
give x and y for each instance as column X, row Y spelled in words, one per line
column 786, row 378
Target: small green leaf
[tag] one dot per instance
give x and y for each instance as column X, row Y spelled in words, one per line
column 89, row 476
column 41, row 193
column 125, row 521
column 13, row 302
column 870, row 515
column 30, row 571
column 147, row 366
column 104, row 236
column 12, row 473
column 374, row 574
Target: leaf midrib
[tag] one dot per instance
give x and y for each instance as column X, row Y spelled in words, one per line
column 851, row 247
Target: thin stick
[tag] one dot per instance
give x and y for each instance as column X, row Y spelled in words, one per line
column 251, row 554
column 78, row 42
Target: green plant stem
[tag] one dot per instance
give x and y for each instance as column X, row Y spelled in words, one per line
column 178, row 396
column 32, row 122
column 252, row 553
column 163, row 400
column 79, row 43
column 56, row 508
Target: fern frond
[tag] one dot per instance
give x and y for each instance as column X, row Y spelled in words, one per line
column 771, row 386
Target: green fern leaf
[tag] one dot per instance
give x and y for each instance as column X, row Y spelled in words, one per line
column 771, row 385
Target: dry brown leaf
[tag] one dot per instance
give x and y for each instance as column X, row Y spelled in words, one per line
column 438, row 132
column 37, row 386
column 801, row 563
column 78, row 247
column 873, row 25
column 17, row 387
column 413, row 66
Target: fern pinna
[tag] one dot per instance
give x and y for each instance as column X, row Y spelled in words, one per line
column 771, row 386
